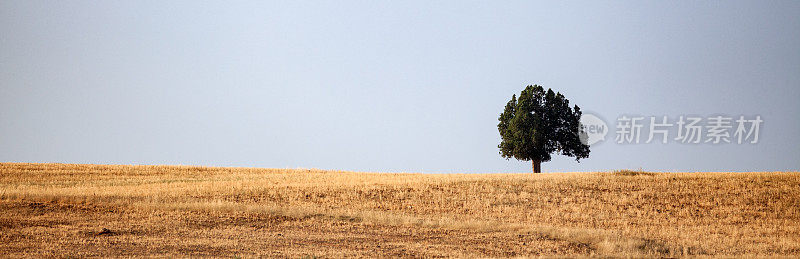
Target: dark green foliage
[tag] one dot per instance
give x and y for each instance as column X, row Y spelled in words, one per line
column 540, row 123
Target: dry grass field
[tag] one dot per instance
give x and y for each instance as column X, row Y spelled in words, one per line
column 99, row 210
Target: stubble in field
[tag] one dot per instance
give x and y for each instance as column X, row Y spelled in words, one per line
column 94, row 210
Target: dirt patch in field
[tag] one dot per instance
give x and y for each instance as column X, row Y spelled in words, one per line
column 48, row 229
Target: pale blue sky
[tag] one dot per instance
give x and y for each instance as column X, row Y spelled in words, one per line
column 411, row 86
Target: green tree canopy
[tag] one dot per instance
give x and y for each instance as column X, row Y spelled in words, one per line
column 538, row 124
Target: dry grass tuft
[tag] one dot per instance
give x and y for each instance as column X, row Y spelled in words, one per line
column 627, row 172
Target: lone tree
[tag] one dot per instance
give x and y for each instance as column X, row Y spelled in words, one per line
column 538, row 124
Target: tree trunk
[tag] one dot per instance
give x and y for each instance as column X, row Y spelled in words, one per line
column 537, row 166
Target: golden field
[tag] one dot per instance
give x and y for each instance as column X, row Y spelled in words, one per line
column 111, row 210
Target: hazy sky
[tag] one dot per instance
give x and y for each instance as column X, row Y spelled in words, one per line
column 412, row 86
